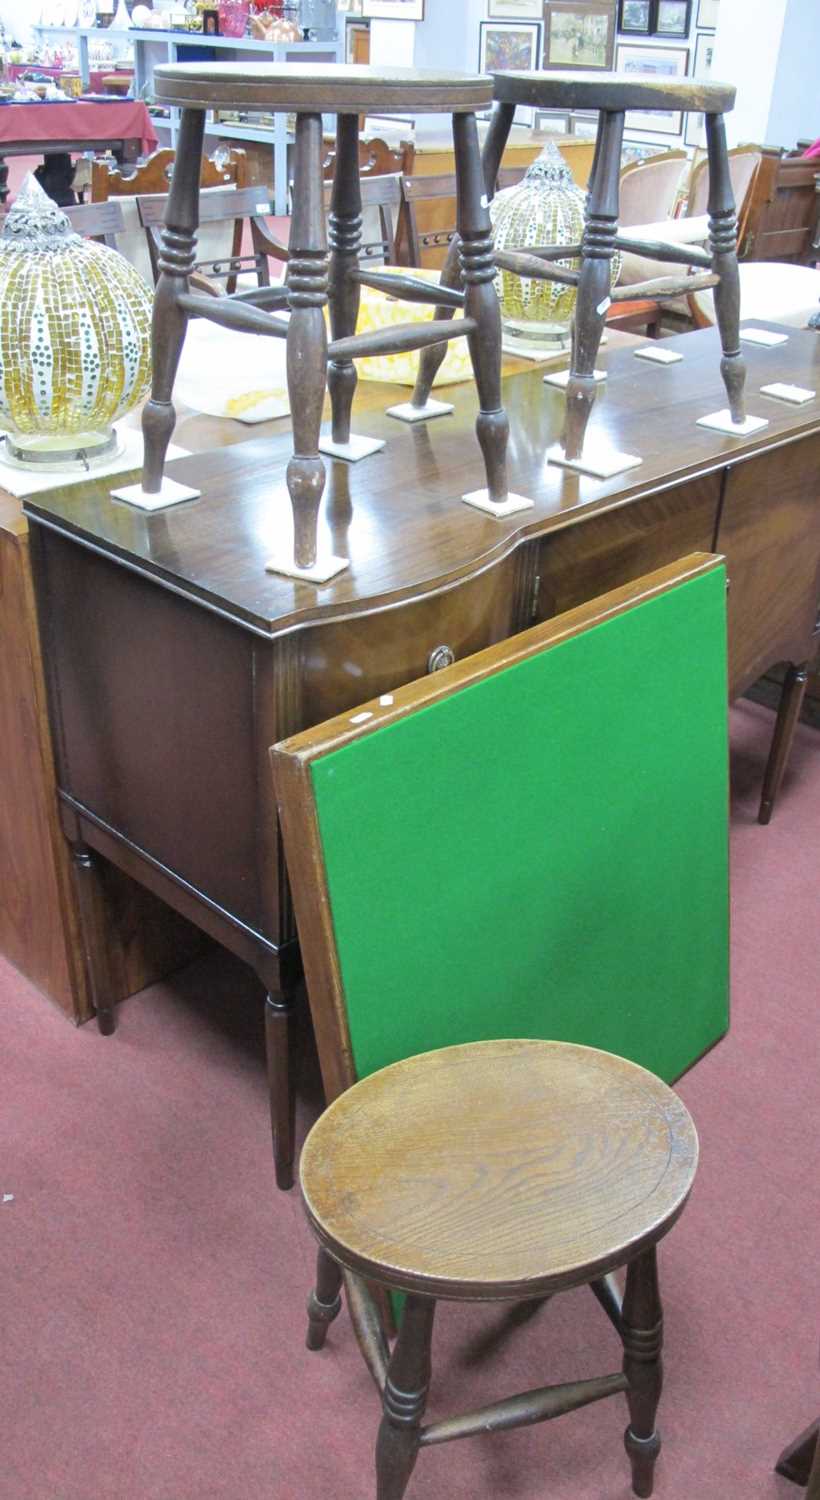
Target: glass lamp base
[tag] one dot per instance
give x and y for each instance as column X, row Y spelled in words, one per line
column 552, row 338
column 46, row 452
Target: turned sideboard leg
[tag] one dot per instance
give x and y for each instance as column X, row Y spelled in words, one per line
column 177, row 257
column 642, row 1335
column 94, row 935
column 723, row 242
column 600, row 229
column 405, row 1398
column 481, row 303
column 307, row 336
column 788, row 713
column 345, row 235
column 279, row 1045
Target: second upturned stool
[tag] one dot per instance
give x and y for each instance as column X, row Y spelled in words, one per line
column 311, row 283
column 491, row 1172
column 612, row 94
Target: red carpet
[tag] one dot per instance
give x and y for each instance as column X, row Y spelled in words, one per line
column 153, row 1282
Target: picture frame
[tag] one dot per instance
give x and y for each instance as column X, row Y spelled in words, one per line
column 515, row 10
column 210, row 22
column 654, row 62
column 635, row 17
column 579, row 35
column 708, row 12
column 673, row 18
column 393, row 10
column 695, row 131
column 552, row 122
column 505, row 45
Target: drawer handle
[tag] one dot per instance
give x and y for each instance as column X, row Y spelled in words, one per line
column 440, row 657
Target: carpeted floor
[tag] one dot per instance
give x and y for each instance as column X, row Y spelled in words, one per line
column 153, row 1282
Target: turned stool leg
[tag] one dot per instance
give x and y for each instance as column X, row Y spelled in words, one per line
column 177, row 257
column 593, row 298
column 279, row 1025
column 723, row 241
column 405, row 1397
column 432, row 358
column 642, row 1334
column 788, row 713
column 481, row 303
column 307, row 337
column 324, row 1302
column 345, row 234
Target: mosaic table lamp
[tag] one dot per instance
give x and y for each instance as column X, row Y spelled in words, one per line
column 75, row 338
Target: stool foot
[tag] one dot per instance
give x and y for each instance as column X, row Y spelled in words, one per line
column 723, row 241
column 642, row 1335
column 481, row 303
column 324, row 1303
column 345, row 235
column 405, row 1398
column 598, row 248
column 176, row 261
column 307, row 337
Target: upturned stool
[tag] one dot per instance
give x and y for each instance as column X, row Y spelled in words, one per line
column 311, row 282
column 612, row 94
column 491, row 1172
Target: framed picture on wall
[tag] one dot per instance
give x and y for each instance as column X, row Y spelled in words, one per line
column 660, row 63
column 673, row 18
column 393, row 10
column 695, row 132
column 635, row 16
column 579, row 34
column 515, row 10
column 508, row 44
column 708, row 11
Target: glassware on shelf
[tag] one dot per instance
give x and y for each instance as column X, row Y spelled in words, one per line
column 233, row 17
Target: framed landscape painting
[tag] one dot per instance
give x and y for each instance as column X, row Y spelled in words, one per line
column 673, row 18
column 515, row 10
column 636, row 17
column 580, row 34
column 659, row 63
column 508, row 45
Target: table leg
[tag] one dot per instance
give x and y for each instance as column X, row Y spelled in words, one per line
column 481, row 303
column 723, row 241
column 307, row 336
column 177, row 258
column 345, row 235
column 95, row 936
column 593, row 298
column 800, row 1461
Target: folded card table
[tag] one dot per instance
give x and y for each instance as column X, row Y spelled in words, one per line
column 310, row 92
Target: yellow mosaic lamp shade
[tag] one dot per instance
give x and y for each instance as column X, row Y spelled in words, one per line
column 545, row 208
column 75, row 327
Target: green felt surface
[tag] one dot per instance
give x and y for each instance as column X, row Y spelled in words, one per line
column 544, row 853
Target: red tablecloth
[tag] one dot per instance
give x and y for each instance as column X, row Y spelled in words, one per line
column 122, row 119
column 95, row 78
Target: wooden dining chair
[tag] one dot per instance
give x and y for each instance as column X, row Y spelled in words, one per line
column 236, row 207
column 426, row 235
column 223, row 169
column 475, row 859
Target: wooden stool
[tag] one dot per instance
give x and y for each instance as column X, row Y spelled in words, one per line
column 310, row 91
column 490, row 1172
column 612, row 95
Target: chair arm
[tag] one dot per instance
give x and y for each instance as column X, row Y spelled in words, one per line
column 264, row 242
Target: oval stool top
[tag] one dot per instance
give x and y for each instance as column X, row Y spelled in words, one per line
column 497, row 1170
column 613, row 91
column 320, row 88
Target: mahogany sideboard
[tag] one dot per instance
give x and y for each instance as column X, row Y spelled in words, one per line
column 175, row 660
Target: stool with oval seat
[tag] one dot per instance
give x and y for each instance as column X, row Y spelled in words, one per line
column 612, row 94
column 311, row 282
column 490, row 1172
